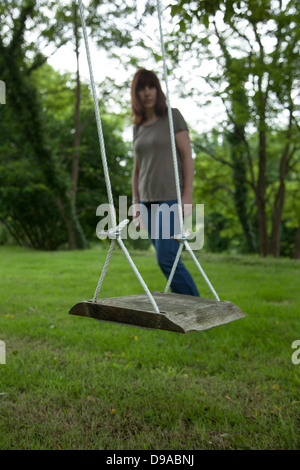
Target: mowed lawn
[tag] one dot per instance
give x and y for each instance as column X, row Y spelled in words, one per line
column 75, row 383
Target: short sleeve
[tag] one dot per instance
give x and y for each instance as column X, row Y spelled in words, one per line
column 178, row 121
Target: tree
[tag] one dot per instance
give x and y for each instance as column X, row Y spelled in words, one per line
column 102, row 22
column 26, row 31
column 24, row 103
column 27, row 202
column 255, row 48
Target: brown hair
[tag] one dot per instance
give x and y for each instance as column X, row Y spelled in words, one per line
column 141, row 79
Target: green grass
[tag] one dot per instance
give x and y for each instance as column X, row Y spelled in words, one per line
column 74, row 383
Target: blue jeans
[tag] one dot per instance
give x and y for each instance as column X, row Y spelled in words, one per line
column 162, row 222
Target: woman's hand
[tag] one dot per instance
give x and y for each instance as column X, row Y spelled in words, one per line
column 187, row 204
column 184, row 147
column 136, row 216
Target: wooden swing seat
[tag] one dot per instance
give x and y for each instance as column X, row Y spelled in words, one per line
column 178, row 313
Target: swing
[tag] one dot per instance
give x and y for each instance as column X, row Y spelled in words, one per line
column 151, row 310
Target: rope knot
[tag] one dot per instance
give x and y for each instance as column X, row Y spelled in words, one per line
column 114, row 232
column 182, row 237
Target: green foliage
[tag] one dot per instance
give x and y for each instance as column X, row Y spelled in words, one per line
column 216, row 226
column 222, row 177
column 27, row 200
column 91, row 183
column 254, row 47
column 23, row 178
column 42, row 133
column 213, row 188
column 28, row 208
column 240, row 175
column 27, row 123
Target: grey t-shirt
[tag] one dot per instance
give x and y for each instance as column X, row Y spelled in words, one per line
column 153, row 150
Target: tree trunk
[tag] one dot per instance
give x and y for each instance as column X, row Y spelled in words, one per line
column 239, row 177
column 277, row 216
column 262, row 226
column 280, row 196
column 279, row 204
column 261, row 191
column 24, row 102
column 76, row 237
column 77, row 136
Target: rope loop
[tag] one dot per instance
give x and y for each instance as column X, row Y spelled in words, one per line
column 114, row 232
column 182, row 237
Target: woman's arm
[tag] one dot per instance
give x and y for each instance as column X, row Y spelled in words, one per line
column 183, row 144
column 135, row 192
column 135, row 181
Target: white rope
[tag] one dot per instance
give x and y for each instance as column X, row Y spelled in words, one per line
column 114, row 233
column 201, row 270
column 172, row 132
column 174, row 267
column 173, row 143
column 181, row 238
column 138, row 275
column 104, row 269
column 116, row 237
column 98, row 118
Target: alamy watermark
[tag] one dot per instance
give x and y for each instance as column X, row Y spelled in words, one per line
column 2, row 92
column 2, row 353
column 158, row 220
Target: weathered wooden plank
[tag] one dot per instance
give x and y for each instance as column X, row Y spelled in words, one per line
column 178, row 313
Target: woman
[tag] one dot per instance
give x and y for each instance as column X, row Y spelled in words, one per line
column 153, row 179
